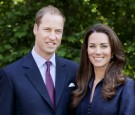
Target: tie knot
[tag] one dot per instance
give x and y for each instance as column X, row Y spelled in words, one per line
column 48, row 63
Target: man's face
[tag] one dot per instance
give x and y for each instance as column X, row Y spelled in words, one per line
column 48, row 35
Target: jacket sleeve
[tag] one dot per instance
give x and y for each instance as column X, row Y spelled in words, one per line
column 6, row 95
column 127, row 105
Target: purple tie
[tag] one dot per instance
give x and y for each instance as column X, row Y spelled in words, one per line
column 49, row 83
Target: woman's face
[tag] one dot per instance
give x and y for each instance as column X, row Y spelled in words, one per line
column 99, row 50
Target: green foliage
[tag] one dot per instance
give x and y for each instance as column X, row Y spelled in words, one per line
column 17, row 19
column 130, row 53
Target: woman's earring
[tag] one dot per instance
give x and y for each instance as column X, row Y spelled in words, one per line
column 112, row 57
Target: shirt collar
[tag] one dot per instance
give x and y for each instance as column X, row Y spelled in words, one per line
column 40, row 60
column 92, row 80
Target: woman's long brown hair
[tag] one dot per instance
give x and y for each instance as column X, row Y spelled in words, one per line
column 113, row 75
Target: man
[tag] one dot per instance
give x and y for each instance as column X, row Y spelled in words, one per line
column 24, row 83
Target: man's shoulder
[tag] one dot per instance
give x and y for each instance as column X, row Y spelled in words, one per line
column 68, row 61
column 16, row 64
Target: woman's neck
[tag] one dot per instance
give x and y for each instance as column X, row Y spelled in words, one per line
column 99, row 74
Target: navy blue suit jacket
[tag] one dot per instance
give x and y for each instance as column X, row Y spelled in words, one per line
column 23, row 92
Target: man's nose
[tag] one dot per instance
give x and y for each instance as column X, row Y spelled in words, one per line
column 52, row 35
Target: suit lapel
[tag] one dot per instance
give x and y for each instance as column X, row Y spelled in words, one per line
column 61, row 75
column 32, row 73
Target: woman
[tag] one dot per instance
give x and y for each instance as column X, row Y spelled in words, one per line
column 102, row 88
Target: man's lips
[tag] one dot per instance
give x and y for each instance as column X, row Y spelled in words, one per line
column 50, row 43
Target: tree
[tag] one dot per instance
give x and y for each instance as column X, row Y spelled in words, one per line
column 17, row 19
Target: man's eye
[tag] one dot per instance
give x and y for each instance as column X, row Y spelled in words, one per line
column 58, row 31
column 46, row 29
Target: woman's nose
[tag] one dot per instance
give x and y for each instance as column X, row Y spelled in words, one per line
column 98, row 50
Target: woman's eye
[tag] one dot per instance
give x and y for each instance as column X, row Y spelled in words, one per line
column 91, row 46
column 104, row 46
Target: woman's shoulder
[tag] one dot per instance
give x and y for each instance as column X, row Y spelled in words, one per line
column 129, row 82
column 128, row 98
column 129, row 86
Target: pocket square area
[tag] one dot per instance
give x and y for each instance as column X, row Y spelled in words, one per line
column 71, row 85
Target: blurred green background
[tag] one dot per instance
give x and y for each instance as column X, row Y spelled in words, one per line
column 17, row 19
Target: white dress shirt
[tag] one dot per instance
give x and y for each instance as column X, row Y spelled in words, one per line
column 40, row 61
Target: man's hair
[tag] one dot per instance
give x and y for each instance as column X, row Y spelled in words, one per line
column 48, row 9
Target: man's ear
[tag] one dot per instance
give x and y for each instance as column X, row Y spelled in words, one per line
column 35, row 28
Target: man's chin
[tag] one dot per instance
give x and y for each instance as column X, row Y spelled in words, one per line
column 51, row 52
